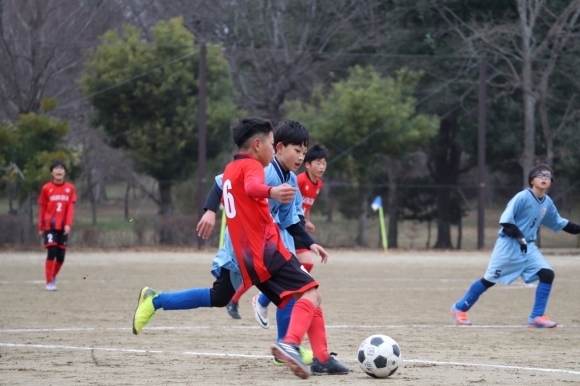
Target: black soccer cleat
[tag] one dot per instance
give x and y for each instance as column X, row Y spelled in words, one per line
column 330, row 367
column 233, row 310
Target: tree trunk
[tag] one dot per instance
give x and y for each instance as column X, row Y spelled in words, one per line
column 361, row 239
column 393, row 207
column 127, row 191
column 447, row 158
column 165, row 209
column 528, row 158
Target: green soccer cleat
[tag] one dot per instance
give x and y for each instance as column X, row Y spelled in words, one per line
column 305, row 354
column 145, row 309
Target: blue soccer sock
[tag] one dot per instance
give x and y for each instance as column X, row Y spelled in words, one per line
column 471, row 296
column 263, row 300
column 183, row 300
column 542, row 295
column 283, row 318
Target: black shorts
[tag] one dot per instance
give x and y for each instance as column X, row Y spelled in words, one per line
column 55, row 239
column 288, row 280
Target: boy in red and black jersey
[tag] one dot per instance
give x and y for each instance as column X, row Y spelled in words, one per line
column 55, row 216
column 263, row 259
column 310, row 183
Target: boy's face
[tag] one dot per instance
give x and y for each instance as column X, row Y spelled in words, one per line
column 316, row 168
column 542, row 179
column 265, row 149
column 58, row 173
column 291, row 156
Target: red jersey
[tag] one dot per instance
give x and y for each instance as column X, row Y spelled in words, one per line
column 255, row 236
column 309, row 190
column 56, row 206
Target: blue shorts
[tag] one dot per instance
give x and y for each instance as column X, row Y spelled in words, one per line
column 508, row 262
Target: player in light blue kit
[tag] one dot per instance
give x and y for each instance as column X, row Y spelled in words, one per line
column 515, row 253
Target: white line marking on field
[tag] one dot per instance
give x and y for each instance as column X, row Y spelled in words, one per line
column 144, row 351
column 344, row 326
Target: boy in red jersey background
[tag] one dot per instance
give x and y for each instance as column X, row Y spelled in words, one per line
column 55, row 216
column 310, row 182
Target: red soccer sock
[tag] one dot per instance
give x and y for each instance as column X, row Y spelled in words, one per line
column 308, row 266
column 242, row 290
column 302, row 315
column 317, row 336
column 48, row 268
column 56, row 268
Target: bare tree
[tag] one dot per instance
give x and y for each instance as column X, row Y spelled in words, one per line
column 41, row 43
column 528, row 52
column 279, row 48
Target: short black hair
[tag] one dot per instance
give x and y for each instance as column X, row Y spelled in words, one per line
column 249, row 127
column 57, row 163
column 538, row 169
column 317, row 151
column 291, row 132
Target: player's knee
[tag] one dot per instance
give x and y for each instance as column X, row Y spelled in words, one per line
column 314, row 296
column 546, row 276
column 486, row 283
column 60, row 255
column 51, row 253
column 219, row 298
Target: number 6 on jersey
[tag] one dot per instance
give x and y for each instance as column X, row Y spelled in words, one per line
column 229, row 205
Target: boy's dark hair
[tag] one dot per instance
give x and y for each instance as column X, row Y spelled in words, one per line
column 538, row 169
column 57, row 163
column 248, row 128
column 291, row 132
column 317, row 151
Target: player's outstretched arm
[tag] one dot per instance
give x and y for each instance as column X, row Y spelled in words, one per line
column 320, row 252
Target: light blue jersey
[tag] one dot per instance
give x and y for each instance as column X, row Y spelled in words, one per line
column 284, row 215
column 527, row 212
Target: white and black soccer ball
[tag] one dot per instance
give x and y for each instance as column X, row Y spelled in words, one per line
column 379, row 356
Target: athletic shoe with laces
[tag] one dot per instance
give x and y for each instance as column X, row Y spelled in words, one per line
column 461, row 317
column 145, row 309
column 232, row 309
column 260, row 313
column 541, row 322
column 330, row 367
column 50, row 286
column 305, row 354
column 290, row 354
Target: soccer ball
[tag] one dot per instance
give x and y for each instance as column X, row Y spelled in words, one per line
column 379, row 356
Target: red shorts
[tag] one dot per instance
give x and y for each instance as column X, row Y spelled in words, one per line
column 290, row 279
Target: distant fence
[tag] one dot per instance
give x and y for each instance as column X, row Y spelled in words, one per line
column 125, row 222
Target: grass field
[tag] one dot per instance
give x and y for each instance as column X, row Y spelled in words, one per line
column 81, row 334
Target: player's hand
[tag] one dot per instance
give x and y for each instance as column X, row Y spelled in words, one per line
column 309, row 226
column 66, row 230
column 206, row 224
column 523, row 245
column 41, row 233
column 320, row 252
column 283, row 193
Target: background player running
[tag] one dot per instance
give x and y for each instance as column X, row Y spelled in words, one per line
column 262, row 257
column 55, row 217
column 515, row 253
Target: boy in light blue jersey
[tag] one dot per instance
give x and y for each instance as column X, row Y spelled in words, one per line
column 515, row 253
